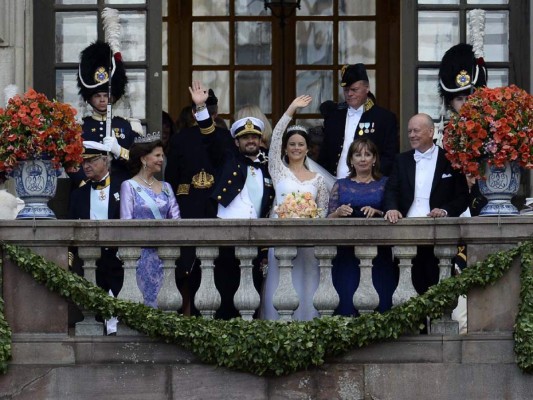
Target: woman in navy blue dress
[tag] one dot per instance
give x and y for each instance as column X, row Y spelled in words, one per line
column 360, row 195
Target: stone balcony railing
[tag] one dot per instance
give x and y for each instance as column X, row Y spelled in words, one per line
column 52, row 239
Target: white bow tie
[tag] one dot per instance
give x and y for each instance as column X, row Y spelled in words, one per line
column 422, row 156
column 351, row 111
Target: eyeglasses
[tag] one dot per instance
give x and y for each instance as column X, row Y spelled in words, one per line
column 92, row 160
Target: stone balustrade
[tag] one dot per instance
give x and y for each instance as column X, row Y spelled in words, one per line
column 284, row 236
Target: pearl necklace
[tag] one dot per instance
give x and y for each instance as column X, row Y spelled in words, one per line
column 148, row 183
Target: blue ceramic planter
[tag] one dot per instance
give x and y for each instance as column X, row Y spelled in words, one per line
column 500, row 186
column 36, row 184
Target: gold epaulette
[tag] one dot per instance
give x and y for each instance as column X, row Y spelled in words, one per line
column 124, row 153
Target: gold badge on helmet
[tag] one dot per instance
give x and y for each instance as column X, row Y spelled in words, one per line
column 249, row 125
column 462, row 78
column 101, row 75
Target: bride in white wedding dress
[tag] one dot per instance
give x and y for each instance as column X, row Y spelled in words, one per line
column 290, row 174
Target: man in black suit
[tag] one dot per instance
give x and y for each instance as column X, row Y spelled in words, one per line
column 244, row 190
column 193, row 167
column 424, row 184
column 99, row 199
column 359, row 117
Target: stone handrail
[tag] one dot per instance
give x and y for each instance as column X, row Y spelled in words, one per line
column 246, row 235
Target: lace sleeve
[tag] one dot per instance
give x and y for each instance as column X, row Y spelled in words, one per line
column 322, row 197
column 334, row 198
column 276, row 167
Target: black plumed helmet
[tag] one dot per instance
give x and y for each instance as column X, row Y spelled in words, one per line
column 93, row 72
column 460, row 72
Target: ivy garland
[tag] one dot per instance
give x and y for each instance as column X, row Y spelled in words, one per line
column 266, row 347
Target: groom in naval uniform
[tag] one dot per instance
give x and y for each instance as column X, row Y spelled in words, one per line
column 424, row 184
column 244, row 190
column 99, row 199
column 358, row 117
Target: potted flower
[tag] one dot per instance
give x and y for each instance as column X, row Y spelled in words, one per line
column 491, row 139
column 38, row 137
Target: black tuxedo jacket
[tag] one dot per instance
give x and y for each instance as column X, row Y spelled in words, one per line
column 233, row 177
column 109, row 271
column 385, row 136
column 449, row 190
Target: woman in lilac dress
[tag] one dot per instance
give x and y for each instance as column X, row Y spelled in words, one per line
column 360, row 195
column 145, row 197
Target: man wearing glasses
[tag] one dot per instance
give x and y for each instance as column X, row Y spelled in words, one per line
column 99, row 199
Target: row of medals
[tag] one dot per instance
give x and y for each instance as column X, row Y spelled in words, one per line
column 364, row 127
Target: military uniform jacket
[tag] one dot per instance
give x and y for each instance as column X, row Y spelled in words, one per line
column 94, row 130
column 109, row 267
column 233, row 178
column 382, row 129
column 193, row 167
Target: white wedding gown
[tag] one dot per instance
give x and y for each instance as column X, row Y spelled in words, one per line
column 305, row 271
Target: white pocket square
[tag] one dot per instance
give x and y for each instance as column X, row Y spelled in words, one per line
column 446, row 176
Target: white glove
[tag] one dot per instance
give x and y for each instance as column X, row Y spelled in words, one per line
column 112, row 143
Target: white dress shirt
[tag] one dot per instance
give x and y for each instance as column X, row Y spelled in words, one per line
column 425, row 171
column 352, row 120
column 241, row 206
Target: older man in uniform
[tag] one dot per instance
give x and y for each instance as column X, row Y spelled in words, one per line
column 99, row 199
column 358, row 117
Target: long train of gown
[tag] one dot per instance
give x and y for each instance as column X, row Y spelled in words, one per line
column 133, row 206
column 305, row 271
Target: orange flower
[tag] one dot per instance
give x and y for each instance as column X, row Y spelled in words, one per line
column 33, row 127
column 493, row 125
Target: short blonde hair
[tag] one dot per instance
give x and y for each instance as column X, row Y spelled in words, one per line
column 252, row 110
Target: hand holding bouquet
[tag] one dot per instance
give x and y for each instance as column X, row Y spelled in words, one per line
column 298, row 205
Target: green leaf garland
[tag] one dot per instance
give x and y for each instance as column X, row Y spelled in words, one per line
column 273, row 348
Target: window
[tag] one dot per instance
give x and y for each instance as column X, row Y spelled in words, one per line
column 440, row 24
column 248, row 56
column 77, row 24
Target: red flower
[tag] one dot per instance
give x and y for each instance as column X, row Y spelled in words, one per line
column 31, row 126
column 493, row 125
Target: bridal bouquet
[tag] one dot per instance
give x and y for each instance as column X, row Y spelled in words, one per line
column 298, row 205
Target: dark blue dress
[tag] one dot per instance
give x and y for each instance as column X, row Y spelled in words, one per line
column 345, row 265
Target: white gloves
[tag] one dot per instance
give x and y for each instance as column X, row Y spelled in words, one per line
column 112, row 143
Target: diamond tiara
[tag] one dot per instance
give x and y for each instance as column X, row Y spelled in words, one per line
column 297, row 128
column 148, row 138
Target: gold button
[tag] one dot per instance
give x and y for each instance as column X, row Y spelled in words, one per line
column 234, row 174
column 238, row 190
column 224, row 189
column 229, row 182
column 219, row 197
column 270, row 196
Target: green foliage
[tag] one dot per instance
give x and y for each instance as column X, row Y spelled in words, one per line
column 5, row 334
column 273, row 348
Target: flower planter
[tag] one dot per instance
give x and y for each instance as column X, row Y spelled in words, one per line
column 35, row 183
column 499, row 187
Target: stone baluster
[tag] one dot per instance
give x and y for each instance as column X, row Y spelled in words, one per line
column 445, row 325
column 169, row 297
column 365, row 298
column 89, row 325
column 326, row 298
column 130, row 291
column 285, row 297
column 207, row 299
column 246, row 298
column 405, row 289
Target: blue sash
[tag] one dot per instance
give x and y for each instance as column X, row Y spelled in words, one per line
column 147, row 199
